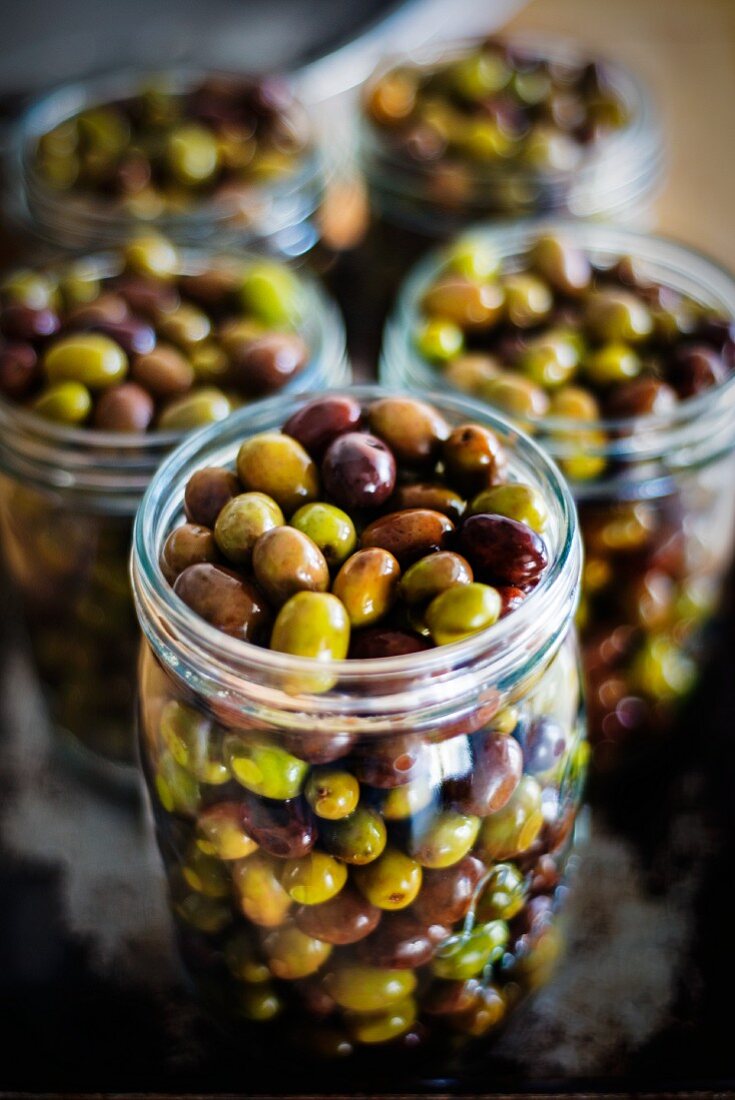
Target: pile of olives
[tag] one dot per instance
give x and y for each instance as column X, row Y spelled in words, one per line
column 154, row 343
column 496, row 104
column 161, row 150
column 358, row 889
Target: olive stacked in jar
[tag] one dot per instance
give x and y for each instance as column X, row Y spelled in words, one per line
column 104, row 363
column 364, row 815
column 618, row 350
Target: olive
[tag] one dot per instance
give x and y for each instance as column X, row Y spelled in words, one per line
column 503, row 894
column 497, row 765
column 545, row 746
column 641, row 397
column 413, row 430
column 392, row 881
column 617, row 316
column 516, row 395
column 329, row 527
column 574, row 403
column 318, row 746
column 205, row 874
column 208, row 915
column 176, row 788
column 151, row 256
column 209, row 363
column 447, row 998
column 264, row 767
column 484, row 1016
column 23, row 323
column 384, row 642
column 164, row 372
column 612, row 364
column 467, row 303
column 242, row 521
column 511, row 831
column 29, row 288
column 480, row 75
column 332, row 793
column 124, row 408
column 314, row 878
column 359, row 471
column 18, row 370
column 206, row 493
column 474, row 458
column 244, row 960
column 466, row 956
column 312, row 624
column 367, row 988
column 439, row 340
column 345, row 918
column 134, row 336
column 473, row 257
column 191, row 154
column 564, row 267
column 276, row 464
column 357, row 839
column 282, row 827
column 404, row 802
column 502, row 550
column 260, row 895
column 186, row 326
column 94, row 360
column 461, row 611
column 437, row 498
column 285, row 561
column 367, row 585
column 472, row 371
column 318, row 423
column 696, row 369
column 551, row 359
column 445, row 839
column 66, row 402
column 528, row 300
column 188, row 736
column 410, row 534
column 447, row 894
column 270, row 291
column 392, row 761
column 109, row 309
column 433, row 574
column 222, row 832
column 516, row 501
column 259, row 1003
column 194, row 409
column 185, row 546
column 396, row 1021
column 292, row 954
column 268, row 362
column 402, row 942
column 144, row 295
column 223, row 599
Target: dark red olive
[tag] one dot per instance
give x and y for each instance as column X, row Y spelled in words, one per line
column 124, row 408
column 319, row 422
column 544, row 744
column 641, row 397
column 267, row 363
column 343, row 919
column 382, row 642
column 402, row 942
column 207, row 491
column 410, row 534
column 318, row 746
column 696, row 369
column 359, row 471
column 186, row 545
column 25, row 323
column 282, row 828
column 109, row 309
column 502, row 550
column 511, row 598
column 18, row 370
column 446, row 998
column 446, row 896
column 497, row 766
column 223, row 599
column 134, row 337
column 391, row 761
column 475, row 458
column 718, row 331
column 149, row 297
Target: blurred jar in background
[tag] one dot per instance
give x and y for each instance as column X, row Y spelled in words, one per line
column 616, row 350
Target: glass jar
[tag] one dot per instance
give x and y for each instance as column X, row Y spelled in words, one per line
column 67, row 501
column 655, row 495
column 278, row 215
column 463, row 912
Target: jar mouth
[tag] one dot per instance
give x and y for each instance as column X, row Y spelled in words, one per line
column 286, row 201
column 673, row 263
column 171, row 626
column 627, row 160
column 90, row 459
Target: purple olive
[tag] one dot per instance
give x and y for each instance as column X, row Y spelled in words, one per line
column 343, row 919
column 502, row 550
column 283, row 828
column 223, row 599
column 402, row 942
column 544, row 745
column 359, row 471
column 319, row 422
column 446, row 895
column 383, row 642
column 496, row 771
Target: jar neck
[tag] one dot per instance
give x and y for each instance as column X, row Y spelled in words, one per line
column 429, row 689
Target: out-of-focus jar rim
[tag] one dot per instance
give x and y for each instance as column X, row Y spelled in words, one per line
column 88, row 459
column 635, row 150
column 672, row 262
column 41, row 205
column 497, row 654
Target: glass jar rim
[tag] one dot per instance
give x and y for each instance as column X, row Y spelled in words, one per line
column 690, row 270
column 50, row 447
column 52, row 108
column 235, row 661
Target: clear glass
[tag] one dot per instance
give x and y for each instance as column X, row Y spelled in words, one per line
column 280, row 216
column 67, row 501
column 443, row 958
column 656, row 498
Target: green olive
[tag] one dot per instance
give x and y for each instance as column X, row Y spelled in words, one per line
column 431, row 575
column 480, row 75
column 259, row 1003
column 315, row 878
column 332, row 793
column 551, row 360
column 381, row 1027
column 612, row 363
column 465, row 956
column 186, row 326
column 260, row 894
column 474, row 258
column 563, row 266
column 516, row 395
column 65, row 402
column 367, row 988
column 359, row 838
column 105, row 129
column 292, row 954
column 286, row 561
column 511, row 831
column 446, row 839
column 519, row 502
column 86, row 357
column 367, row 585
column 329, row 527
column 483, row 139
column 574, row 403
column 177, row 789
column 208, row 915
column 503, row 894
column 662, row 669
column 279, row 466
column 471, row 305
column 206, row 874
column 209, row 362
column 187, row 734
column 244, row 960
column 221, row 832
column 272, row 294
column 152, row 256
column 439, row 340
column 32, row 289
column 462, row 611
column 391, row 882
column 617, row 316
column 263, row 767
column 193, row 410
column 191, row 152
column 312, row 624
column 242, row 521
column 528, row 300
column 471, row 371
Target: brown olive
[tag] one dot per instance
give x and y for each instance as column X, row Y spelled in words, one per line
column 497, row 766
column 367, row 585
column 223, row 599
column 410, row 534
column 437, row 498
column 474, row 457
column 286, row 561
column 267, row 363
column 164, row 372
column 384, row 642
column 402, row 942
column 413, row 430
column 207, row 491
column 124, row 408
column 502, row 550
column 186, row 545
column 343, row 919
column 447, row 894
